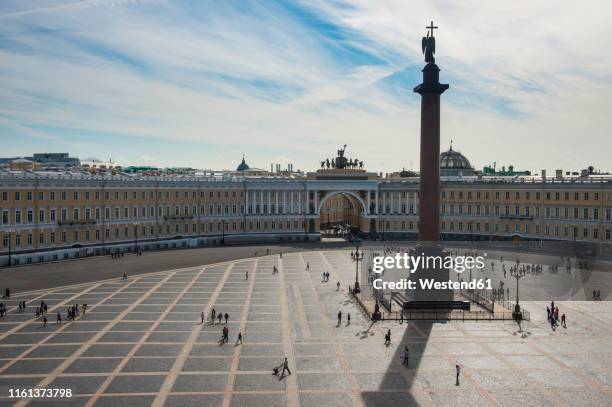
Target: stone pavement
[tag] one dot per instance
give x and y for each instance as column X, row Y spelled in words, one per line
column 141, row 343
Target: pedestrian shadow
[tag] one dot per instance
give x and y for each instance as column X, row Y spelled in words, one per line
column 367, row 333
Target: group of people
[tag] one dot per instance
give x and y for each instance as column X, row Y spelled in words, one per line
column 552, row 314
column 596, row 295
column 348, row 318
column 116, row 255
column 214, row 314
column 326, row 276
column 72, row 313
column 42, row 309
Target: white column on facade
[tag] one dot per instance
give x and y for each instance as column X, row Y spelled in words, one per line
column 261, row 201
column 376, row 206
column 416, row 207
column 284, row 202
column 291, row 201
column 316, row 201
column 299, row 198
column 246, row 203
column 384, row 203
column 276, row 204
column 367, row 211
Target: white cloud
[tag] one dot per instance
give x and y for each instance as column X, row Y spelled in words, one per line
column 245, row 77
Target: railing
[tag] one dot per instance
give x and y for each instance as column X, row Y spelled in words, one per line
column 451, row 316
column 173, row 217
column 476, row 297
column 380, row 297
column 77, row 222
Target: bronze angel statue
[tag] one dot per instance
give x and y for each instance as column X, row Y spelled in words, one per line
column 428, row 45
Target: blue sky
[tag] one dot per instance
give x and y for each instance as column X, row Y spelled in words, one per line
column 199, row 83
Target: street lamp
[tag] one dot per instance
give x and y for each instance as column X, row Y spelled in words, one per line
column 223, row 231
column 9, row 232
column 357, row 257
column 136, row 224
column 517, row 273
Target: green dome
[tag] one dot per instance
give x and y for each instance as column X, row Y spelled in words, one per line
column 243, row 166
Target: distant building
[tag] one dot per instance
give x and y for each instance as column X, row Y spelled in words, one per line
column 45, row 160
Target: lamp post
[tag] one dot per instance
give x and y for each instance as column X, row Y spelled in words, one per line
column 517, row 273
column 223, row 231
column 9, row 232
column 136, row 224
column 357, row 257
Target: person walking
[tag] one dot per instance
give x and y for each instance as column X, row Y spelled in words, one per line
column 124, row 275
column 458, row 371
column 225, row 333
column 219, row 317
column 239, row 338
column 348, row 318
column 246, row 275
column 563, row 321
column 285, row 367
column 84, row 309
column 202, row 317
column 406, row 356
column 338, row 286
column 213, row 314
column 59, row 318
column 226, row 317
column 44, row 320
column 339, row 318
column 307, row 266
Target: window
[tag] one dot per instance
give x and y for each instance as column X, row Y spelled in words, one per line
column 5, row 216
column 30, row 216
column 41, row 216
column 4, row 196
column 18, row 216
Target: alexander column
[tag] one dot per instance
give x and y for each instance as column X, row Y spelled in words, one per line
column 429, row 203
column 430, row 91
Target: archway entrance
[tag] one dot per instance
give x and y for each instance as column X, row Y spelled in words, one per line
column 340, row 214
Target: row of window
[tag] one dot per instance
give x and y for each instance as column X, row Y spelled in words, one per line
column 575, row 213
column 27, row 216
column 147, row 231
column 125, row 195
column 527, row 195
